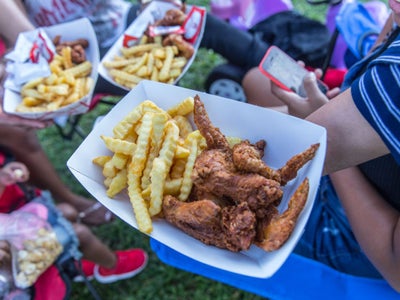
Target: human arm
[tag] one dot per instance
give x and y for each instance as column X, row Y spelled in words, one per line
column 351, row 140
column 375, row 223
column 12, row 14
column 10, row 120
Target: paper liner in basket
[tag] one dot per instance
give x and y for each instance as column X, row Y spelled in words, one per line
column 194, row 28
column 78, row 29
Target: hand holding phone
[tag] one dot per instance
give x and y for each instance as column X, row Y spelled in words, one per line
column 285, row 72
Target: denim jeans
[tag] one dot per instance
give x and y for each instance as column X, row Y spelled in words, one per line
column 62, row 228
column 328, row 237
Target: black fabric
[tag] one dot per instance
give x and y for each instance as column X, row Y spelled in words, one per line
column 300, row 37
column 384, row 174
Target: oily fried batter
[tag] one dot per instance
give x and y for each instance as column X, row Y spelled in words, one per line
column 281, row 226
column 235, row 194
column 293, row 165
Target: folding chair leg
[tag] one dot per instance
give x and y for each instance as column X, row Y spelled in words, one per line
column 71, row 128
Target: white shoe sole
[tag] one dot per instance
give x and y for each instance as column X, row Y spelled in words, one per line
column 114, row 278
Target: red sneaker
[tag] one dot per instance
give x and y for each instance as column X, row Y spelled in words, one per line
column 87, row 269
column 129, row 263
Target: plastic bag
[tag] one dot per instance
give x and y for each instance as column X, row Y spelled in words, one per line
column 34, row 245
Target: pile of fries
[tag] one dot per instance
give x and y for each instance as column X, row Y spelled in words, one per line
column 145, row 60
column 153, row 154
column 68, row 83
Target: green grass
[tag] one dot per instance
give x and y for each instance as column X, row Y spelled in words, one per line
column 158, row 281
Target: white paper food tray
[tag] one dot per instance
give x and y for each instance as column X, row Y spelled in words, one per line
column 155, row 8
column 285, row 135
column 81, row 28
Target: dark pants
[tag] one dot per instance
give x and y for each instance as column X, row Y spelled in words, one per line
column 239, row 47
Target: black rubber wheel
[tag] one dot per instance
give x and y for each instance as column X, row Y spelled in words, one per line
column 225, row 81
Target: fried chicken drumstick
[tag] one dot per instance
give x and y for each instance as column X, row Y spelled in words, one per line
column 248, row 193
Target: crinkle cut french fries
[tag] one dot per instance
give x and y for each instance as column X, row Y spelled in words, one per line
column 67, row 83
column 151, row 61
column 153, row 154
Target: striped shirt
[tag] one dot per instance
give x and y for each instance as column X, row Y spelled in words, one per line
column 376, row 93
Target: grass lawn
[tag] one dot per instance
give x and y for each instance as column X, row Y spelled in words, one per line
column 157, row 281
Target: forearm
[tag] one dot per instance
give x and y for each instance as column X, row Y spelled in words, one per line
column 350, row 138
column 375, row 223
column 13, row 20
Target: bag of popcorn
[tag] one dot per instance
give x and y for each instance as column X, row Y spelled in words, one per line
column 34, row 245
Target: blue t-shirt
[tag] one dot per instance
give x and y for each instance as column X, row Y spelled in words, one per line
column 376, row 93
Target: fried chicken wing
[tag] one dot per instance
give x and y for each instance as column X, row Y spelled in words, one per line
column 231, row 227
column 215, row 173
column 183, row 46
column 235, row 195
column 214, row 137
column 278, row 229
column 172, row 17
column 248, row 158
column 290, row 169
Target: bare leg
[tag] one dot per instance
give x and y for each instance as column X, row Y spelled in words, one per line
column 93, row 248
column 257, row 88
column 25, row 146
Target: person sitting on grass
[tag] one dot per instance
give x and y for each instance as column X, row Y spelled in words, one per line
column 98, row 260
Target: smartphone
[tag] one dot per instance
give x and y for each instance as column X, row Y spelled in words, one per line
column 285, row 71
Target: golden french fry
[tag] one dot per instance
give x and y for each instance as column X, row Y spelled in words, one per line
column 55, row 104
column 181, row 152
column 107, row 181
column 139, row 206
column 174, row 73
column 117, row 184
column 161, row 167
column 59, row 89
column 150, row 64
column 126, row 124
column 159, row 53
column 148, row 145
column 32, row 83
column 120, row 63
column 119, row 145
column 154, row 74
column 109, row 169
column 164, row 72
column 158, row 175
column 81, row 70
column 67, row 59
column 101, row 160
column 185, row 127
column 142, row 146
column 187, row 182
column 138, row 49
column 159, row 121
column 183, row 108
column 119, row 160
column 142, row 72
column 178, row 62
column 172, row 186
column 178, row 167
column 125, row 76
column 141, row 62
column 170, row 143
column 31, row 101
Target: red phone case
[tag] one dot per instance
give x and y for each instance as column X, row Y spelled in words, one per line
column 269, row 75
